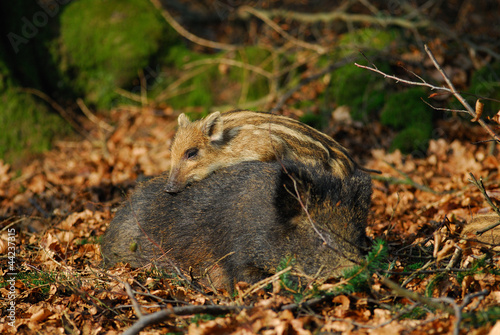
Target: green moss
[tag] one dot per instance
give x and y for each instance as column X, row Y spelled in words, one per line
column 413, row 138
column 106, row 43
column 198, row 89
column 405, row 111
column 26, row 125
column 406, row 108
column 361, row 275
column 359, row 89
column 367, row 39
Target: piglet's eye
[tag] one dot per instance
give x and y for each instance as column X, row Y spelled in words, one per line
column 191, row 153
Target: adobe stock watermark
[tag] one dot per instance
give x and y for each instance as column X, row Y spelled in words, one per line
column 11, row 275
column 30, row 26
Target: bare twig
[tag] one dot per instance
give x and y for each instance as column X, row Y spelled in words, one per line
column 165, row 314
column 459, row 308
column 230, row 62
column 406, row 181
column 346, row 17
column 458, row 96
column 92, row 117
column 400, row 80
column 59, row 109
column 135, row 303
column 265, row 17
column 193, row 38
column 451, row 89
column 480, row 186
column 264, row 282
column 305, row 81
column 414, row 295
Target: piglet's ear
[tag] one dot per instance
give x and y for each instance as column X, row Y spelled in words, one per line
column 212, row 126
column 183, row 120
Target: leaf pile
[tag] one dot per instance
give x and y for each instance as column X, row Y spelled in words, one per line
column 425, row 209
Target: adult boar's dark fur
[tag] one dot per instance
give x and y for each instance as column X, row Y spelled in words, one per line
column 241, row 221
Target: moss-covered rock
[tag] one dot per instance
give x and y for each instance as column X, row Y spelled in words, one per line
column 405, row 111
column 26, row 125
column 106, row 43
column 413, row 138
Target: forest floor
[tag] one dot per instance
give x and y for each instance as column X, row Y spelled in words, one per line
column 57, row 207
column 441, row 274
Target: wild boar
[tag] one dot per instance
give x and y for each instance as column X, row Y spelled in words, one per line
column 220, row 140
column 241, row 221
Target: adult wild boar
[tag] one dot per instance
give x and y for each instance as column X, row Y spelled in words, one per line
column 241, row 221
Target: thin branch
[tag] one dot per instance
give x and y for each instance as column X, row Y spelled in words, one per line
column 346, row 17
column 451, row 89
column 265, row 17
column 400, row 80
column 231, row 62
column 398, row 290
column 166, row 314
column 135, row 303
column 305, row 81
column 186, row 34
column 479, row 184
column 263, row 283
column 444, row 109
column 92, row 117
column 458, row 96
column 59, row 109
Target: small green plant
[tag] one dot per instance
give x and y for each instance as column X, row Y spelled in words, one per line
column 359, row 276
column 482, row 317
column 287, row 280
column 202, row 317
column 416, row 313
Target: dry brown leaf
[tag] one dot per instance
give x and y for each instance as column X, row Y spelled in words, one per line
column 479, row 110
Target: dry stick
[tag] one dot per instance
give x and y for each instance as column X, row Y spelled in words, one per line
column 470, row 110
column 193, row 38
column 261, row 15
column 459, row 308
column 264, row 282
column 406, row 181
column 165, row 314
column 135, row 303
column 480, row 186
column 181, row 80
column 435, row 302
column 230, row 62
column 343, row 16
column 59, row 109
column 92, row 117
column 290, row 92
column 398, row 290
column 451, row 90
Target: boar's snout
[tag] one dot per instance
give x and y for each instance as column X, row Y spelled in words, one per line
column 173, row 184
column 172, row 187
